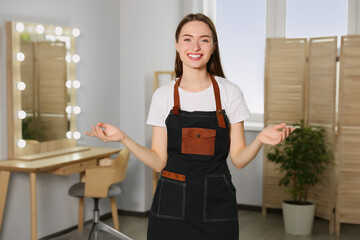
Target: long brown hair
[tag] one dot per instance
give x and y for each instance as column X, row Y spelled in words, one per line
column 214, row 65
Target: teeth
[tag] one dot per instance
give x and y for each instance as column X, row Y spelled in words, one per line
column 194, row 56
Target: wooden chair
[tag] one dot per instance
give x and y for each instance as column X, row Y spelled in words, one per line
column 100, row 182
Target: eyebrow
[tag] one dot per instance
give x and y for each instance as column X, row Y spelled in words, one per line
column 189, row 35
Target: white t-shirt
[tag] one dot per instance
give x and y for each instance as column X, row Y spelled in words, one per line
column 232, row 101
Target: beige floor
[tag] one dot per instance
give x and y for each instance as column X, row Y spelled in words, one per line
column 252, row 227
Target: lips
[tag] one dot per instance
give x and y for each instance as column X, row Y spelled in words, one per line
column 195, row 57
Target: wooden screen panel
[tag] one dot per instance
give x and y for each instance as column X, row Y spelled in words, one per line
column 320, row 111
column 285, row 74
column 348, row 151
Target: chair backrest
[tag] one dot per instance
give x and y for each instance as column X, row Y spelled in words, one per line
column 121, row 162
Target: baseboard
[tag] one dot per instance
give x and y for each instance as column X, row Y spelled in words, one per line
column 146, row 214
column 102, row 218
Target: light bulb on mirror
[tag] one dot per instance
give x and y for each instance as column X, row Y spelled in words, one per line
column 68, row 58
column 76, row 58
column 40, row 29
column 76, row 32
column 21, row 86
column 19, row 27
column 76, row 84
column 68, row 135
column 76, row 109
column 68, row 83
column 68, row 109
column 76, row 135
column 21, row 143
column 21, row 114
column 20, row 56
column 59, row 31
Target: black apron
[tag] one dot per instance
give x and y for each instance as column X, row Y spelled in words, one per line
column 195, row 198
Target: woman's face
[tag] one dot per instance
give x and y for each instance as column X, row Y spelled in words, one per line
column 195, row 45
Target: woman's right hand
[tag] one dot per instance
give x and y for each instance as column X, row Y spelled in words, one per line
column 106, row 132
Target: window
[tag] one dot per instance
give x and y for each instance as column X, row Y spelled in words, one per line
column 320, row 18
column 241, row 26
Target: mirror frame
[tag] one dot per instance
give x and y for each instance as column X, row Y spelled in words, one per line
column 33, row 149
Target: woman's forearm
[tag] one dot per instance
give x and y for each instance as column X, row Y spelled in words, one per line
column 148, row 156
column 243, row 156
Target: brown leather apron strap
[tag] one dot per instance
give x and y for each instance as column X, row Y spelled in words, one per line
column 176, row 107
column 219, row 112
column 172, row 175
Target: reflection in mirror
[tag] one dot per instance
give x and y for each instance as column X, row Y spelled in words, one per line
column 45, row 98
column 41, row 88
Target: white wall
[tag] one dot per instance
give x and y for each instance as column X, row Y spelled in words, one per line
column 146, row 45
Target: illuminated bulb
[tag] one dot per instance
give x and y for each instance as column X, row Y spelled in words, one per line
column 76, row 58
column 68, row 83
column 76, row 32
column 21, row 114
column 40, row 29
column 76, row 135
column 20, row 56
column 21, row 86
column 68, row 58
column 76, row 109
column 68, row 109
column 20, row 27
column 58, row 31
column 21, row 143
column 76, row 84
column 68, row 135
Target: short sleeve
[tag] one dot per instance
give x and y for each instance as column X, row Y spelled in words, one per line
column 158, row 107
column 238, row 110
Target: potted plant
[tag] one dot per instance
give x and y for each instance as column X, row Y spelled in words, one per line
column 302, row 158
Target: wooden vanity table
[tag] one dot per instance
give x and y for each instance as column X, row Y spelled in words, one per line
column 64, row 162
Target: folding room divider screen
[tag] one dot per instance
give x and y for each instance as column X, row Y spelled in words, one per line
column 300, row 83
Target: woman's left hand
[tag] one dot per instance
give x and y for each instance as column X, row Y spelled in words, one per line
column 274, row 135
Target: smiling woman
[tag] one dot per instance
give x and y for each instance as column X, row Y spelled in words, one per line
column 193, row 119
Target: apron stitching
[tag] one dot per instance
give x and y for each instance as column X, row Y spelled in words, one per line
column 205, row 195
column 184, row 199
column 162, row 181
column 205, row 219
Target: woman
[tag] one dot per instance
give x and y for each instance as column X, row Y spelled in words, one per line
column 194, row 118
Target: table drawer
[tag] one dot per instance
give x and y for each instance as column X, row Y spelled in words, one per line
column 74, row 168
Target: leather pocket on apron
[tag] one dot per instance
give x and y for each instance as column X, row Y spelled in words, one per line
column 169, row 199
column 199, row 141
column 219, row 198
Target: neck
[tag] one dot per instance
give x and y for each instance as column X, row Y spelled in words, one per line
column 195, row 80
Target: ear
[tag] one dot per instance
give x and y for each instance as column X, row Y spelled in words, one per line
column 176, row 46
column 214, row 48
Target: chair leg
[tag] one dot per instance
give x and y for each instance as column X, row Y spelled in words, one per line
column 100, row 226
column 106, row 228
column 114, row 213
column 81, row 216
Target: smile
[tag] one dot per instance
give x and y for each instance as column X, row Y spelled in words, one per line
column 195, row 56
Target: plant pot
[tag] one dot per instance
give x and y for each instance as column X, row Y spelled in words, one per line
column 298, row 219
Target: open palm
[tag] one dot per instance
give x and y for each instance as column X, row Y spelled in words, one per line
column 106, row 132
column 274, row 135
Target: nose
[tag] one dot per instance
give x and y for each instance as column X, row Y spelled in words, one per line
column 195, row 46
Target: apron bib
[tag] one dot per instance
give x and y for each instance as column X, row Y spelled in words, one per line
column 195, row 197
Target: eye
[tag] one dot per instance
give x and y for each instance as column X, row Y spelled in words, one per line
column 205, row 40
column 187, row 40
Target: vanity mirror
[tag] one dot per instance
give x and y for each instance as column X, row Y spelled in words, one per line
column 41, row 90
